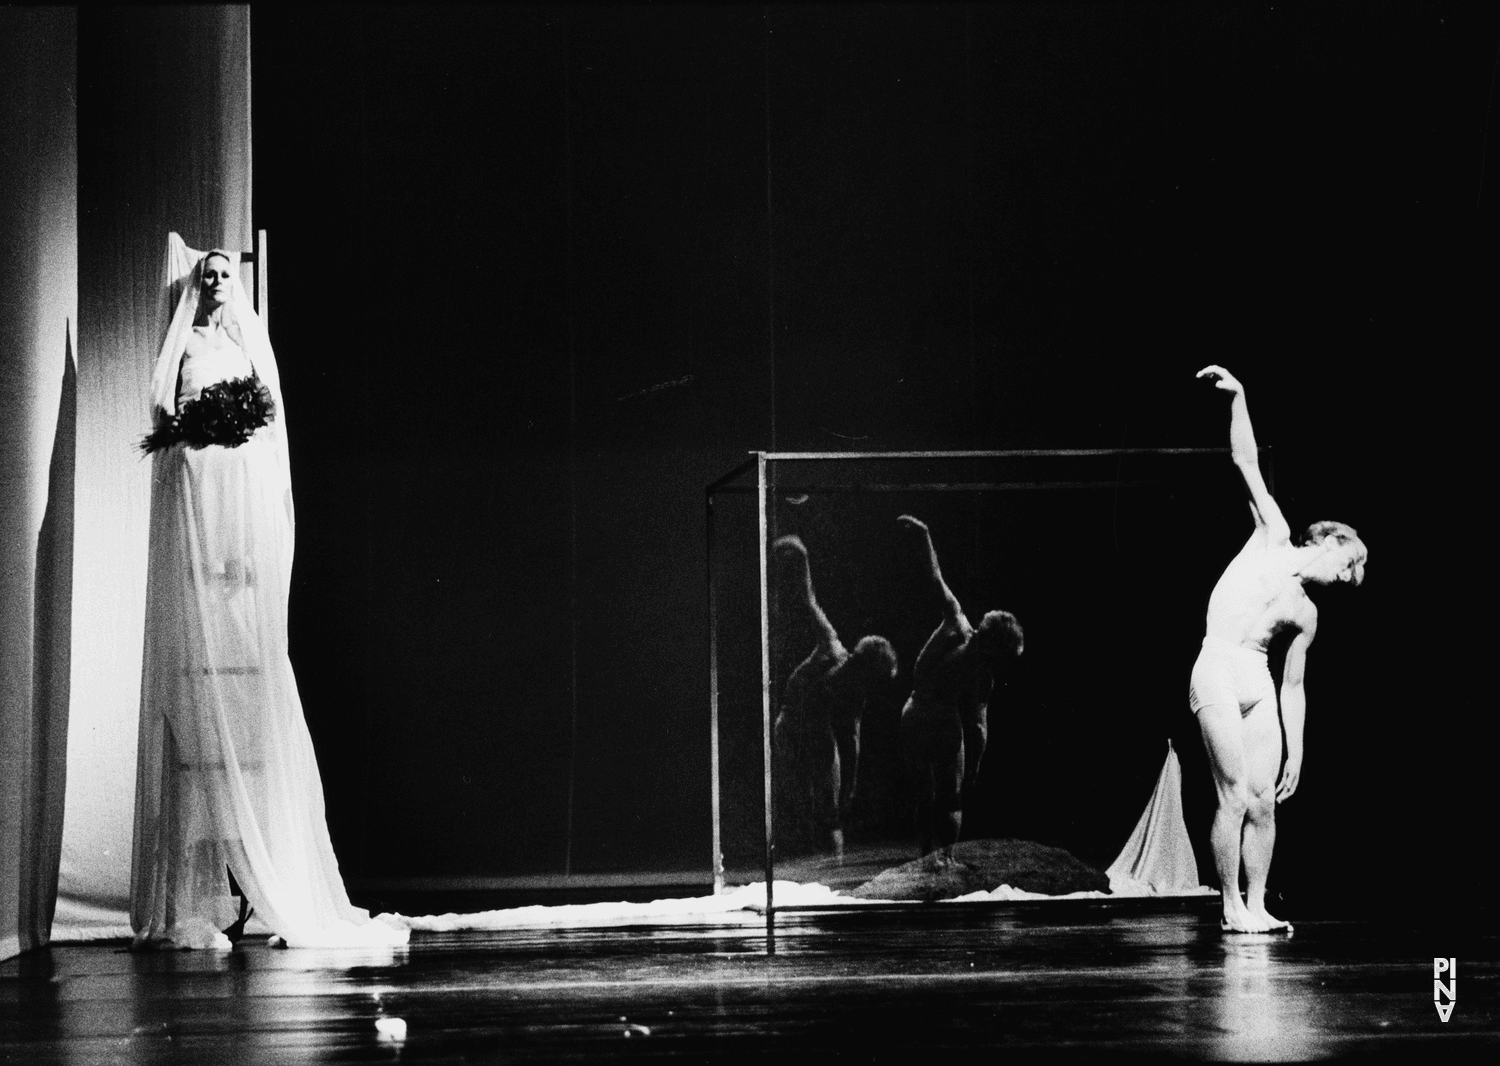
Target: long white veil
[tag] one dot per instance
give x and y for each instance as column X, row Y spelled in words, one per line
column 227, row 778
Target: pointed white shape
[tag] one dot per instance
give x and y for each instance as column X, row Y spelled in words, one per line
column 1159, row 852
column 1445, row 1009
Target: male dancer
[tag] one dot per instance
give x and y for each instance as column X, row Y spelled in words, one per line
column 1259, row 596
column 817, row 729
column 944, row 726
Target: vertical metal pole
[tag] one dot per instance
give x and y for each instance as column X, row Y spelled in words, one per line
column 765, row 702
column 713, row 701
column 262, row 282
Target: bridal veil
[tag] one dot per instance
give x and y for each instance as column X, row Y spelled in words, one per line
column 226, row 777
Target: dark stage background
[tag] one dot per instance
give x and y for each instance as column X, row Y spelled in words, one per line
column 540, row 274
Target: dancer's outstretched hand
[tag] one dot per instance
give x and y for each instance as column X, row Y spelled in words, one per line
column 1221, row 378
column 1289, row 778
column 791, row 544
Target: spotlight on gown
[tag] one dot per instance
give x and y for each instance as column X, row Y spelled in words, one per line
column 227, row 781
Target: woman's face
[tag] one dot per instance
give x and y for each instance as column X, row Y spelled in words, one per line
column 216, row 279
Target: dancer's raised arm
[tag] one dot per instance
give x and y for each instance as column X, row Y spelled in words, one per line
column 1246, row 456
column 794, row 552
column 919, row 529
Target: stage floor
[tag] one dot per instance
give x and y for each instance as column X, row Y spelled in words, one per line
column 853, row 986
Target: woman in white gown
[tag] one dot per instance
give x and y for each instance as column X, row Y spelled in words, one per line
column 226, row 779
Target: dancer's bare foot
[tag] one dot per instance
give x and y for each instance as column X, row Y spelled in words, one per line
column 1268, row 922
column 1239, row 919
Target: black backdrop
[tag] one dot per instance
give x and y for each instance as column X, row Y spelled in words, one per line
column 539, row 274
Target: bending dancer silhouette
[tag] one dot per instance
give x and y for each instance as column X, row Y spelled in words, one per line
column 817, row 728
column 944, row 726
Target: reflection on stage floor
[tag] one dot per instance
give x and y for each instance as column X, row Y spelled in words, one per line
column 1079, row 979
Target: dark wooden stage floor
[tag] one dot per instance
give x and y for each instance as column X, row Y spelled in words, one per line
column 1014, row 982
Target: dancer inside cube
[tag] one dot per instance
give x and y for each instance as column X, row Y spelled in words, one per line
column 945, row 724
column 817, row 728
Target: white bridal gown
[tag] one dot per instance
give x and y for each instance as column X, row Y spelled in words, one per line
column 226, row 774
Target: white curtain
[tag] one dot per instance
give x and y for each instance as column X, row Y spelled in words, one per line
column 38, row 389
column 166, row 146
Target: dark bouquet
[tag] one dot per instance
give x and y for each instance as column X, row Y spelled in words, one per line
column 227, row 413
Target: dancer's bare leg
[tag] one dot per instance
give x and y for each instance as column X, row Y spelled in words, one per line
column 926, row 792
column 846, row 738
column 976, row 737
column 1223, row 736
column 948, row 812
column 934, row 743
column 822, row 769
column 846, row 742
column 831, row 816
column 1262, row 732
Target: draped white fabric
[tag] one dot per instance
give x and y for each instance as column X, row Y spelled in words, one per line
column 1158, row 859
column 226, row 776
column 38, row 391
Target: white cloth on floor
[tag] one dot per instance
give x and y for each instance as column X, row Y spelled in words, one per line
column 740, row 904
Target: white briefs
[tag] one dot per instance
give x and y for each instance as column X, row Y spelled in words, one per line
column 1230, row 674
